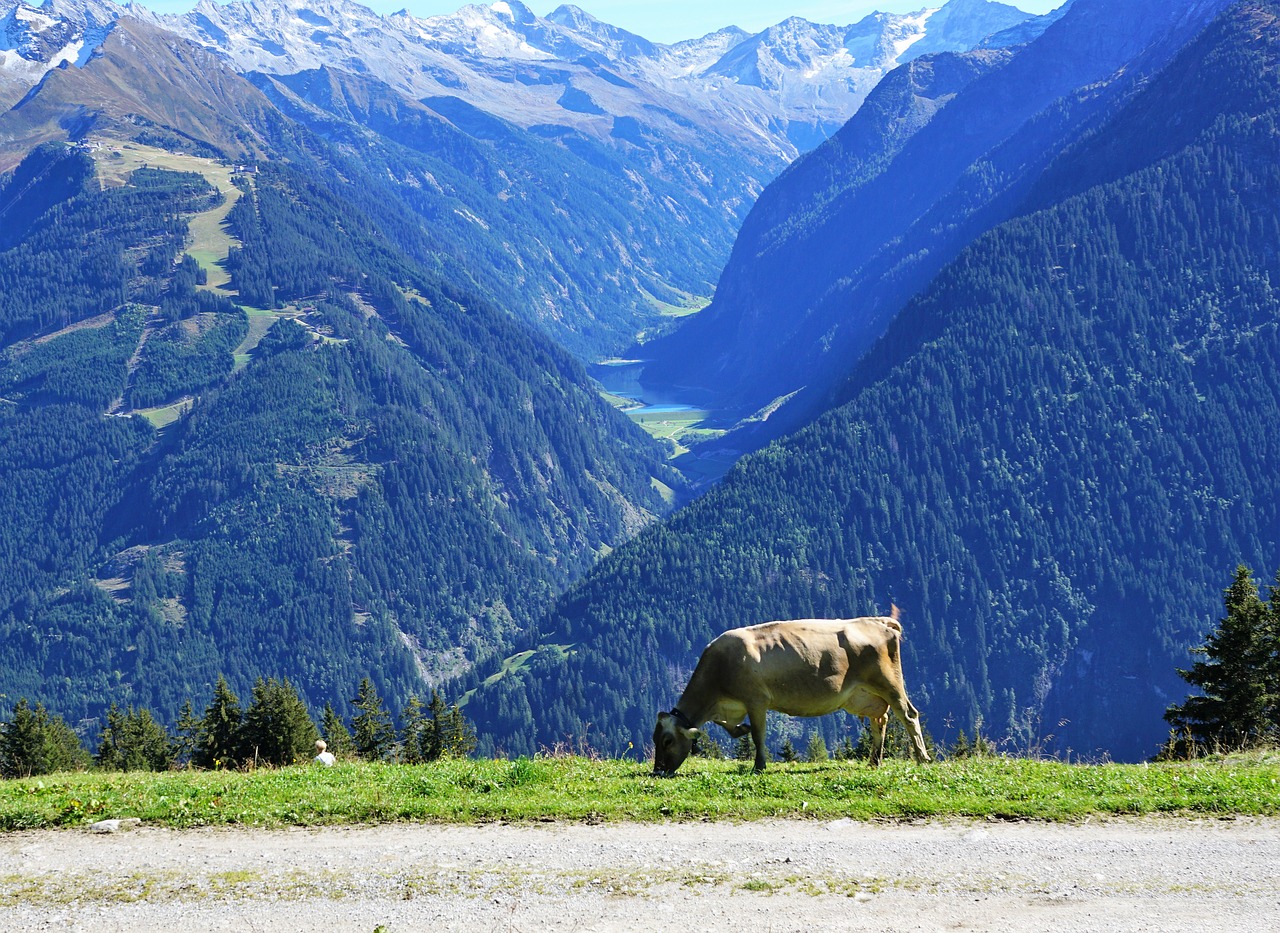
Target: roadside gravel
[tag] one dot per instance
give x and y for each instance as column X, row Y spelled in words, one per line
column 1138, row 875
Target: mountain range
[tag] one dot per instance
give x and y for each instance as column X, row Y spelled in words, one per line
column 670, row 141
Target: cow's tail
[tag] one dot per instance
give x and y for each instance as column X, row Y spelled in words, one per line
column 893, row 619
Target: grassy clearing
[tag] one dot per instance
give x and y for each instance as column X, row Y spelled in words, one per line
column 209, row 240
column 687, row 304
column 166, row 415
column 260, row 321
column 582, row 789
column 682, row 428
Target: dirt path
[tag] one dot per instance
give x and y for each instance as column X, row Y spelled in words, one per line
column 767, row 876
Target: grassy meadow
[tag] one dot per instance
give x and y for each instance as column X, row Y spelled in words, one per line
column 587, row 789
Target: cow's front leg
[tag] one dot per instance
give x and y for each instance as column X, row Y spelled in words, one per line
column 735, row 732
column 758, row 718
column 878, row 726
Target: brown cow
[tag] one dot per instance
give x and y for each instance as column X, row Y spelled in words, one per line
column 808, row 667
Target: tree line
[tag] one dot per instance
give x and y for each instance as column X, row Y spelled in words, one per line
column 274, row 730
column 1238, row 676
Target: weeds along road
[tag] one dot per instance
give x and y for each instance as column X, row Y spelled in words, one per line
column 1150, row 874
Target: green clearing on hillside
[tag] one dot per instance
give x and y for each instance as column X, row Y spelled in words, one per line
column 260, row 321
column 209, row 240
column 687, row 306
column 517, row 663
column 166, row 415
column 576, row 788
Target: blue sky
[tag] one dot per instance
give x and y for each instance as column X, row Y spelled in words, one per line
column 672, row 20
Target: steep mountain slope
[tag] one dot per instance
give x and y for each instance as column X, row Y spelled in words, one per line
column 546, row 231
column 836, row 246
column 1052, row 461
column 33, row 41
column 142, row 81
column 667, row 146
column 372, row 471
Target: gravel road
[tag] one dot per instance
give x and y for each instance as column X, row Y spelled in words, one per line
column 1131, row 875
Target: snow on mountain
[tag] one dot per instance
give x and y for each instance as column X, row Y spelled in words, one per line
column 35, row 40
column 783, row 89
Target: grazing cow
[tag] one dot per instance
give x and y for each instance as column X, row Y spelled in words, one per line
column 808, row 667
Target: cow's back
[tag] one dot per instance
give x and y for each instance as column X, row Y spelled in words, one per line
column 803, row 667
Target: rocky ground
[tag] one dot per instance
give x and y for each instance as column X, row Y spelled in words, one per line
column 1132, row 875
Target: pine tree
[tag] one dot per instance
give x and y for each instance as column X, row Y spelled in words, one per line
column 277, row 730
column 187, row 735
column 788, row 751
column 134, row 741
column 416, row 733
column 372, row 731
column 22, row 742
column 457, row 735
column 817, row 748
column 33, row 742
column 1239, row 701
column 218, row 744
column 336, row 734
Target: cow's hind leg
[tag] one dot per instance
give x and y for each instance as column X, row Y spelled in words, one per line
column 910, row 717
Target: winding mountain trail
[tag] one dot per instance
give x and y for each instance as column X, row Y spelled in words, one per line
column 1134, row 875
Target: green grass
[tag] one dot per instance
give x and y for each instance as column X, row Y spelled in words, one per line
column 583, row 789
column 166, row 415
column 209, row 240
column 687, row 305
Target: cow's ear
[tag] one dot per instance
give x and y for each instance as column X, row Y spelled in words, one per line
column 664, row 718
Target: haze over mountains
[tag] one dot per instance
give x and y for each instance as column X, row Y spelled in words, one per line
column 990, row 298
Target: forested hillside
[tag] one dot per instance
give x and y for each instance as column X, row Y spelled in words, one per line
column 545, row 229
column 947, row 148
column 379, row 474
column 1051, row 461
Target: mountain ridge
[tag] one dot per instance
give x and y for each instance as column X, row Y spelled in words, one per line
column 875, row 234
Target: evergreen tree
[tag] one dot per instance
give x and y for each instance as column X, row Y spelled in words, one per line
column 134, row 741
column 415, row 736
column 63, row 748
column 187, row 735
column 788, row 751
column 744, row 749
column 372, row 731
column 32, row 742
column 1239, row 701
column 218, row 744
column 336, row 734
column 455, row 736
column 276, row 728
column 817, row 748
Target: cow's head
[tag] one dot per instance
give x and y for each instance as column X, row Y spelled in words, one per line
column 672, row 743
